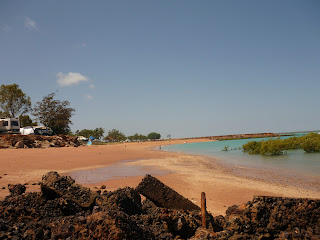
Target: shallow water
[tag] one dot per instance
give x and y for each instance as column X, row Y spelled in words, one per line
column 116, row 171
column 293, row 160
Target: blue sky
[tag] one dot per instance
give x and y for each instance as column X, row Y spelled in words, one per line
column 185, row 68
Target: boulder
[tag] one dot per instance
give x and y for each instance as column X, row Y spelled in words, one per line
column 126, row 199
column 163, row 196
column 19, row 144
column 16, row 189
column 53, row 186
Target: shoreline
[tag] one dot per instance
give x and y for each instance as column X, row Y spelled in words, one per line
column 181, row 170
column 189, row 175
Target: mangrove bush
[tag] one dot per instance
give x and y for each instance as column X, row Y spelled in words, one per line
column 272, row 147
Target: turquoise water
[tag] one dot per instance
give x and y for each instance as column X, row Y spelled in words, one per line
column 294, row 160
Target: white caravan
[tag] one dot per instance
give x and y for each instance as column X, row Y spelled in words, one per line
column 9, row 125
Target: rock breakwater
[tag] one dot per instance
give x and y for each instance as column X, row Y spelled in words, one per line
column 241, row 136
column 66, row 210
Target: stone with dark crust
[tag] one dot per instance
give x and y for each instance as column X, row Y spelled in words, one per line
column 16, row 189
column 163, row 196
column 53, row 185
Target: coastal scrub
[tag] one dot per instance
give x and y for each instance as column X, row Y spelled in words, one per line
column 272, row 147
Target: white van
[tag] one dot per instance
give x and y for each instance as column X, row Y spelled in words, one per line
column 9, row 125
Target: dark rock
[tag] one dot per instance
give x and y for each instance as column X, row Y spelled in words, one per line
column 17, row 189
column 127, row 200
column 163, row 196
column 275, row 217
column 238, row 237
column 54, row 186
column 60, row 212
column 19, row 144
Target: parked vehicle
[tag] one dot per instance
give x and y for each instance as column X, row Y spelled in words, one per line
column 82, row 138
column 41, row 130
column 9, row 126
column 27, row 130
column 36, row 130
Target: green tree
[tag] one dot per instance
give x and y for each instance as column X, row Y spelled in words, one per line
column 84, row 132
column 55, row 114
column 115, row 135
column 98, row 133
column 25, row 120
column 13, row 101
column 131, row 138
column 153, row 136
column 138, row 137
column 134, row 137
column 142, row 137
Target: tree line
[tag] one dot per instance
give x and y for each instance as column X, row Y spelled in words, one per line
column 115, row 135
column 50, row 112
column 53, row 113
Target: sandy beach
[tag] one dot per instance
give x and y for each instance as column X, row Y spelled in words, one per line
column 187, row 174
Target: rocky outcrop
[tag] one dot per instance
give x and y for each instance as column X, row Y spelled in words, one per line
column 241, row 136
column 66, row 210
column 37, row 141
column 274, row 217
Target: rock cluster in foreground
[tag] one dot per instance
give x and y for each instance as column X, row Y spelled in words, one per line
column 37, row 141
column 66, row 210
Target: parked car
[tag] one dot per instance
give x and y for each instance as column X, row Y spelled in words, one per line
column 36, row 130
column 41, row 130
column 27, row 130
column 82, row 138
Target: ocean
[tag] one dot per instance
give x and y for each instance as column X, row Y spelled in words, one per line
column 294, row 161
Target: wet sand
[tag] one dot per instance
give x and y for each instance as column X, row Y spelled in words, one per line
column 189, row 175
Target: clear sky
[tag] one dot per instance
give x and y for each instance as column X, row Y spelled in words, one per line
column 185, row 68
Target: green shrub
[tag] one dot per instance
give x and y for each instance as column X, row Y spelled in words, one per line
column 272, row 147
column 252, row 147
column 226, row 148
column 292, row 143
column 309, row 143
